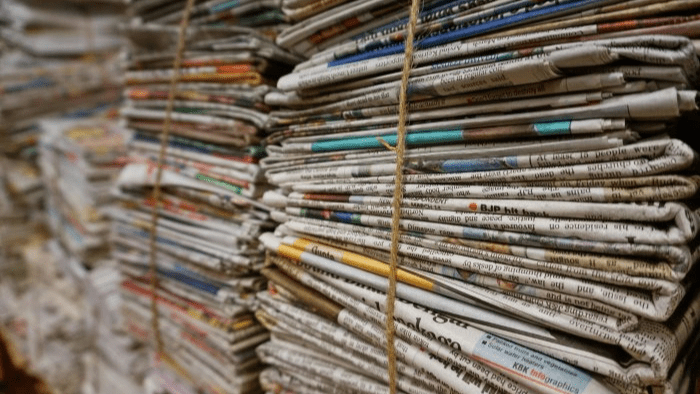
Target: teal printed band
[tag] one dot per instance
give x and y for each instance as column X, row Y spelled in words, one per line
column 425, row 138
column 553, row 128
column 225, row 185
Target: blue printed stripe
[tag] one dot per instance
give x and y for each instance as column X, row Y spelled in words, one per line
column 434, row 8
column 467, row 32
column 224, row 6
column 481, row 164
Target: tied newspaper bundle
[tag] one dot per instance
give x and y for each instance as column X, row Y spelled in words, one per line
column 547, row 198
column 209, row 222
column 79, row 161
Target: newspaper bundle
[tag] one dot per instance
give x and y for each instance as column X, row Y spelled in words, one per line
column 79, row 160
column 548, row 198
column 67, row 313
column 118, row 363
column 266, row 16
column 47, row 317
column 58, row 58
column 208, row 252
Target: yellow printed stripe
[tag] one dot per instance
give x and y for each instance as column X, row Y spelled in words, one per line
column 301, row 243
column 290, row 252
column 361, row 262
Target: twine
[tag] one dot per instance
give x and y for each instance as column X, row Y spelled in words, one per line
column 159, row 172
column 398, row 195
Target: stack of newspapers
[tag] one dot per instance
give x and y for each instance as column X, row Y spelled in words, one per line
column 548, row 225
column 21, row 195
column 266, row 16
column 47, row 319
column 58, row 58
column 60, row 61
column 61, row 27
column 80, row 160
column 117, row 363
column 208, row 252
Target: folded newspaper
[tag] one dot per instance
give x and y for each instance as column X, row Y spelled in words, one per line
column 208, row 253
column 549, row 231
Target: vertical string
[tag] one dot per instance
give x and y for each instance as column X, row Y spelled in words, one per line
column 93, row 55
column 159, row 172
column 398, row 195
